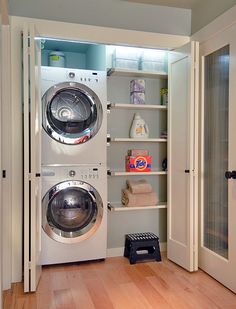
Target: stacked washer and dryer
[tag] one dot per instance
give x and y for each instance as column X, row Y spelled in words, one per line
column 74, row 173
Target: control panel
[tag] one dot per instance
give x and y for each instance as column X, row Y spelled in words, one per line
column 87, row 174
column 79, row 77
column 71, row 173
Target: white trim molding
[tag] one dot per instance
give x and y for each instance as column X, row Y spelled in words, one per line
column 97, row 34
column 217, row 26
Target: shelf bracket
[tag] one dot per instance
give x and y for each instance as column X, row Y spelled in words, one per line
column 109, row 206
column 108, row 138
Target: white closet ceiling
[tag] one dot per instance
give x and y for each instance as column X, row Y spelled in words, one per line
column 187, row 4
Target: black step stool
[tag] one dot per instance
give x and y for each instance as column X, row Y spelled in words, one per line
column 138, row 242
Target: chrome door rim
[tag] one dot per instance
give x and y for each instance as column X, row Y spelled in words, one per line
column 66, row 138
column 76, row 236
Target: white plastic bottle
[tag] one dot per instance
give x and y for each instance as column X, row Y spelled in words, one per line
column 139, row 128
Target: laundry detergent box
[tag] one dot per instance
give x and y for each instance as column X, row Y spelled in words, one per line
column 138, row 163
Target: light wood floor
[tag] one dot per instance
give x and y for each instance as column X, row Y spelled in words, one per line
column 114, row 283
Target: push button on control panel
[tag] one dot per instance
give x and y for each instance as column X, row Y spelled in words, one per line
column 89, row 174
column 72, row 173
column 71, row 74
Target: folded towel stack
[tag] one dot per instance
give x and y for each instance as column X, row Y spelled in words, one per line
column 139, row 193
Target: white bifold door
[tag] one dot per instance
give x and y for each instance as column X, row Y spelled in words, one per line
column 217, row 254
column 182, row 156
column 32, row 160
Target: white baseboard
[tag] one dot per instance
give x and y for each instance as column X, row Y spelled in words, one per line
column 113, row 252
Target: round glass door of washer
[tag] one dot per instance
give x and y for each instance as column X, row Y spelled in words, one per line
column 72, row 113
column 72, row 211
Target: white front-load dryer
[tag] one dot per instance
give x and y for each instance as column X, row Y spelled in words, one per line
column 74, row 116
column 74, row 213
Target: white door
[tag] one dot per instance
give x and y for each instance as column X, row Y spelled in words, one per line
column 182, row 156
column 218, row 143
column 1, row 231
column 32, row 159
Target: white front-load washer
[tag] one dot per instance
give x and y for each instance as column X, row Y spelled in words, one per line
column 74, row 116
column 74, row 213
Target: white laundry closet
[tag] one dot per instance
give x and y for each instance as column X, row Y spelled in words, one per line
column 94, row 55
column 153, row 218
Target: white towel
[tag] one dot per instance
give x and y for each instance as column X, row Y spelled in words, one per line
column 142, row 199
column 139, row 186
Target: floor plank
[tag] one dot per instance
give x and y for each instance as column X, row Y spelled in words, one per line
column 114, row 283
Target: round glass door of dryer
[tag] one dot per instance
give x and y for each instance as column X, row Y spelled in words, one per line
column 72, row 211
column 72, row 113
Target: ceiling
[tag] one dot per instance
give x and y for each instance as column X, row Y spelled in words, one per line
column 187, row 4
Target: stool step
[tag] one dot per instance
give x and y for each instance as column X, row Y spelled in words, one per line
column 142, row 246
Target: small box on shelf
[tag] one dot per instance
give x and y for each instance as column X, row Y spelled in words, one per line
column 126, row 58
column 138, row 163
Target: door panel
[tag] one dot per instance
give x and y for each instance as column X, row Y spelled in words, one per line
column 72, row 113
column 182, row 158
column 32, row 157
column 216, row 109
column 217, row 214
column 72, row 211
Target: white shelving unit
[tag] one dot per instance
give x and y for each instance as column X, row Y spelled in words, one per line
column 141, row 140
column 136, row 73
column 119, row 207
column 152, row 173
column 137, row 106
column 156, row 116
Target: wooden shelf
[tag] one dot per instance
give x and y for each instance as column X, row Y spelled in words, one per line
column 148, row 140
column 136, row 73
column 120, row 173
column 137, row 106
column 119, row 207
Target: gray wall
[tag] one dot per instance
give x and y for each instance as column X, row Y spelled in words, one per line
column 107, row 13
column 206, row 11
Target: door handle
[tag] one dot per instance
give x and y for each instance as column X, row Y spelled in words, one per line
column 187, row 171
column 230, row 175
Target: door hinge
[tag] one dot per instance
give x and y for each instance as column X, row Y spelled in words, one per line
column 29, row 265
column 29, row 176
column 4, row 174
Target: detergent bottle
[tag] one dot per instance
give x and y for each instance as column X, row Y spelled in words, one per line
column 139, row 128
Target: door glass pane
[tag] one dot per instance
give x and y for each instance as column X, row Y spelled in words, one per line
column 71, row 209
column 71, row 111
column 216, row 151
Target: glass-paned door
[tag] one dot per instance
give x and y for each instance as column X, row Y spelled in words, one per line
column 216, row 110
column 217, row 251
